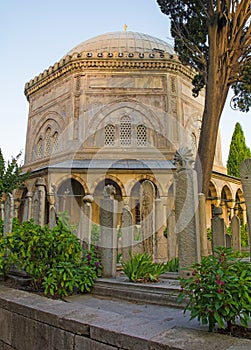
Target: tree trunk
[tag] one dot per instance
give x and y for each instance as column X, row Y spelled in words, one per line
column 214, row 102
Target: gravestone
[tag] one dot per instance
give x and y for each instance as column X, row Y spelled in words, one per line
column 8, row 213
column 126, row 233
column 203, row 225
column 39, row 202
column 27, row 207
column 160, row 242
column 2, row 210
column 186, row 211
column 245, row 175
column 85, row 223
column 108, row 231
column 228, row 241
column 218, row 229
column 52, row 208
column 171, row 236
column 147, row 213
column 236, row 233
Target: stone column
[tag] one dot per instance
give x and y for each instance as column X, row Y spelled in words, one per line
column 108, row 230
column 147, row 213
column 8, row 213
column 39, row 202
column 245, row 175
column 126, row 233
column 236, row 233
column 85, row 224
column 186, row 211
column 203, row 225
column 218, row 229
column 160, row 246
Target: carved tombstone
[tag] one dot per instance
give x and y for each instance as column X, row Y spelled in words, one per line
column 2, row 210
column 39, row 202
column 108, row 230
column 203, row 225
column 245, row 175
column 27, row 207
column 8, row 213
column 85, row 224
column 147, row 211
column 160, row 242
column 236, row 233
column 218, row 228
column 186, row 211
column 126, row 233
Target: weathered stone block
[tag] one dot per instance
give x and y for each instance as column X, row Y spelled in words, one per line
column 82, row 343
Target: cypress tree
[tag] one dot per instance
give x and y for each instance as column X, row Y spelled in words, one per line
column 238, row 151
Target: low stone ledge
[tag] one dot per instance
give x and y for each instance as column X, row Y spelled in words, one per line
column 32, row 322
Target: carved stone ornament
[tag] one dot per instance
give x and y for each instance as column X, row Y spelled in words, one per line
column 245, row 169
column 183, row 158
column 109, row 191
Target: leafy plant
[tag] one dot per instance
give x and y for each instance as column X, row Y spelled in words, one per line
column 11, row 176
column 67, row 278
column 95, row 234
column 219, row 290
column 172, row 265
column 54, row 259
column 92, row 259
column 141, row 268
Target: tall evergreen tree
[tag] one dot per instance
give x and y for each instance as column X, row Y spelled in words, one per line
column 213, row 37
column 11, row 176
column 238, row 151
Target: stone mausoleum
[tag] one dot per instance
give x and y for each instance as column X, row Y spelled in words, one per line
column 113, row 111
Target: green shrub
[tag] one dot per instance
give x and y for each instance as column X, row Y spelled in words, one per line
column 140, row 268
column 219, row 290
column 67, row 278
column 54, row 259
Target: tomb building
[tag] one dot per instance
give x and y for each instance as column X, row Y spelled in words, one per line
column 113, row 111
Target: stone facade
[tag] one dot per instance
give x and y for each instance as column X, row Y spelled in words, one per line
column 113, row 111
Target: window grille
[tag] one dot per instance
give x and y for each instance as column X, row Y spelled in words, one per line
column 40, row 148
column 47, row 148
column 55, row 141
column 141, row 135
column 109, row 135
column 125, row 131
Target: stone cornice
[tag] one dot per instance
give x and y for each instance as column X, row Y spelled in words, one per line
column 82, row 62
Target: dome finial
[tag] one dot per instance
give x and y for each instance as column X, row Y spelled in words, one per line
column 125, row 27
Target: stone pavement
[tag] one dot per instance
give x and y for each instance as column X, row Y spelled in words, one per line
column 163, row 325
column 84, row 322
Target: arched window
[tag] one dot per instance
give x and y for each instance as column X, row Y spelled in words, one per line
column 47, row 146
column 141, row 135
column 55, row 141
column 109, row 135
column 125, row 131
column 40, row 148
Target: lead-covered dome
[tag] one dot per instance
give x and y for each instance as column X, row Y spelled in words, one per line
column 123, row 42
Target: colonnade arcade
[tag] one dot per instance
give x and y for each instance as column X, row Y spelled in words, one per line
column 69, row 193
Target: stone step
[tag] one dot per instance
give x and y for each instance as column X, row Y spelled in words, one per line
column 164, row 292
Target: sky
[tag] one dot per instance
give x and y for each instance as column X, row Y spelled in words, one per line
column 35, row 34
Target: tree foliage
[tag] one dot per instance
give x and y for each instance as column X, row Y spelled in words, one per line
column 11, row 176
column 238, row 151
column 214, row 38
